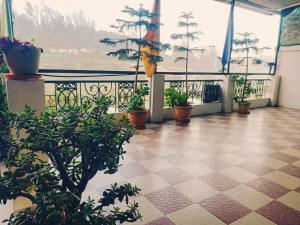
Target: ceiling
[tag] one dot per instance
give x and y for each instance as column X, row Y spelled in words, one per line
column 269, row 7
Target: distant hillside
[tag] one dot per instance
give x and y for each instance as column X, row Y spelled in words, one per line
column 72, row 42
column 54, row 30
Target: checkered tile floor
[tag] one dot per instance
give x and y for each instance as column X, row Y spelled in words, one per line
column 218, row 170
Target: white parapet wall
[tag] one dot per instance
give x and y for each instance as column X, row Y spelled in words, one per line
column 198, row 110
column 289, row 70
column 19, row 94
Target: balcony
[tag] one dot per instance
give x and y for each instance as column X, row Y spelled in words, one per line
column 221, row 168
column 218, row 170
column 119, row 86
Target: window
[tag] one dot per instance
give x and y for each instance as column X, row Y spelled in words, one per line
column 69, row 31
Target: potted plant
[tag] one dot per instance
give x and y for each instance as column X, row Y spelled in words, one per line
column 135, row 49
column 22, row 58
column 179, row 101
column 137, row 113
column 246, row 48
column 182, row 108
column 79, row 142
column 242, row 91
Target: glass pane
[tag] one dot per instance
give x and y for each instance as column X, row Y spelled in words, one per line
column 69, row 31
column 263, row 27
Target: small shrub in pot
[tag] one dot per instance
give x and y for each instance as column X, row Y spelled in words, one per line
column 137, row 113
column 179, row 101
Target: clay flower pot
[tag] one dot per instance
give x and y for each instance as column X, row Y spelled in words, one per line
column 244, row 107
column 138, row 118
column 23, row 62
column 183, row 113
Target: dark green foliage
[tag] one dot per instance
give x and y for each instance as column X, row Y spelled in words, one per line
column 246, row 48
column 136, row 101
column 242, row 84
column 4, row 121
column 136, row 48
column 3, row 68
column 176, row 98
column 188, row 36
column 79, row 142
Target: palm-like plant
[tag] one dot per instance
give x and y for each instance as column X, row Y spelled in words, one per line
column 136, row 48
column 189, row 35
column 246, row 48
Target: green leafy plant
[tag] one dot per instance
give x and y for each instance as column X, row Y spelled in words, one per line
column 136, row 101
column 78, row 142
column 246, row 50
column 135, row 48
column 243, row 88
column 176, row 98
column 186, row 22
column 4, row 121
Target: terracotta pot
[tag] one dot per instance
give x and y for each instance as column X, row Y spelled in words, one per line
column 244, row 107
column 183, row 113
column 23, row 62
column 138, row 119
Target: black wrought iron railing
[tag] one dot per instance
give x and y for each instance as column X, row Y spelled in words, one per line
column 261, row 89
column 60, row 94
column 73, row 87
column 197, row 89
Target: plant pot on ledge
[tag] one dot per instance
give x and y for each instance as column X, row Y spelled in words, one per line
column 22, row 63
column 183, row 113
column 22, row 58
column 244, row 107
column 138, row 118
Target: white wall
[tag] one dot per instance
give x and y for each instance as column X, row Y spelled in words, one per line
column 289, row 70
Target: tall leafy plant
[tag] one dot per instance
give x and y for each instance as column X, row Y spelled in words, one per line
column 246, row 50
column 186, row 22
column 4, row 121
column 79, row 142
column 134, row 48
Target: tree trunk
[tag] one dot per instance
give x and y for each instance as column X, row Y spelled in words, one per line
column 187, row 60
column 247, row 70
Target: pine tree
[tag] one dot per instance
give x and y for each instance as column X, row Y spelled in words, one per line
column 246, row 48
column 132, row 48
column 189, row 35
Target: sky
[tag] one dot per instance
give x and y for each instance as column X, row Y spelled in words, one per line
column 212, row 17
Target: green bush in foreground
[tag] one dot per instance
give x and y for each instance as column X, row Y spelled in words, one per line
column 79, row 142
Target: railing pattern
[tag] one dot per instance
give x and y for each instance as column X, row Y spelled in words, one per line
column 261, row 89
column 76, row 90
column 61, row 94
column 196, row 88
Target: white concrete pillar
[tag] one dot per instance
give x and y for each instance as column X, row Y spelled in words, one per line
column 274, row 90
column 227, row 93
column 25, row 92
column 19, row 94
column 157, row 86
